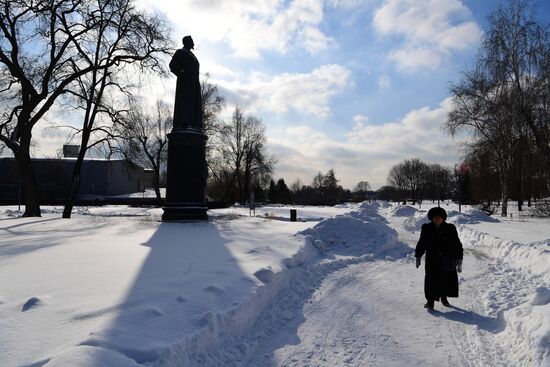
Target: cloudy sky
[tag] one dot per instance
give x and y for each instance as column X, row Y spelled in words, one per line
column 354, row 85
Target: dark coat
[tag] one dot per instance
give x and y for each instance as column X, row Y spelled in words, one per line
column 188, row 104
column 443, row 248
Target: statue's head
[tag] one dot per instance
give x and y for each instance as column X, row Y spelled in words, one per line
column 188, row 42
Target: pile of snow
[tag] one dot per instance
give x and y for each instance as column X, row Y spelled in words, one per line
column 385, row 204
column 469, row 216
column 368, row 212
column 531, row 258
column 359, row 233
column 365, row 205
column 404, row 211
column 525, row 266
column 540, row 209
column 530, row 322
column 10, row 213
column 346, row 206
column 414, row 223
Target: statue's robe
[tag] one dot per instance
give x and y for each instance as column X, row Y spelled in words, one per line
column 187, row 106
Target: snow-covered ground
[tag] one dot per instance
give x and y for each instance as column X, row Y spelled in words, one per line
column 115, row 287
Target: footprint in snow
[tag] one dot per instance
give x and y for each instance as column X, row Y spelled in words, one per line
column 214, row 289
column 31, row 303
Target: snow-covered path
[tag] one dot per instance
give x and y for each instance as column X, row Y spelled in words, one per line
column 371, row 314
column 367, row 314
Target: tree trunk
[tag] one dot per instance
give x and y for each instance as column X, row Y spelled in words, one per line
column 75, row 185
column 504, row 207
column 156, row 185
column 28, row 179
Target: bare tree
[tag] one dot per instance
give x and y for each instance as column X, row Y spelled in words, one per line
column 34, row 77
column 397, row 179
column 143, row 139
column 133, row 38
column 362, row 186
column 409, row 177
column 437, row 182
column 296, row 185
column 504, row 99
column 241, row 149
column 80, row 42
column 362, row 190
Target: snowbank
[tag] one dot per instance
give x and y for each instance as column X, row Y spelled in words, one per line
column 358, row 233
column 526, row 323
column 10, row 213
column 531, row 258
column 469, row 216
column 414, row 223
column 350, row 236
column 403, row 211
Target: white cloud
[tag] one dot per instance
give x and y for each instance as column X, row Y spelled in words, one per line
column 249, row 27
column 304, row 92
column 347, row 4
column 411, row 58
column 360, row 118
column 368, row 151
column 431, row 30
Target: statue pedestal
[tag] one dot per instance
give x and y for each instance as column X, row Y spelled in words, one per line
column 186, row 176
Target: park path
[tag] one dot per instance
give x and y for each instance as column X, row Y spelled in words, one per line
column 371, row 314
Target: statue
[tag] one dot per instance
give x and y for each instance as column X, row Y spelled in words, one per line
column 187, row 106
column 186, row 169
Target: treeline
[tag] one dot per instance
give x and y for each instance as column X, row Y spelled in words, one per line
column 414, row 180
column 323, row 190
column 503, row 101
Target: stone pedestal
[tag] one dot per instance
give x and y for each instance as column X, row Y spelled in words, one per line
column 186, row 176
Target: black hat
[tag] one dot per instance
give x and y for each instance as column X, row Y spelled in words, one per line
column 440, row 212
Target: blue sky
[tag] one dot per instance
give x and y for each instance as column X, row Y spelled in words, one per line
column 354, row 85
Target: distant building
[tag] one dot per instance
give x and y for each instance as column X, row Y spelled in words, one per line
column 99, row 177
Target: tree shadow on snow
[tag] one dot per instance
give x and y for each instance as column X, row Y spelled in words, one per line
column 32, row 236
column 490, row 324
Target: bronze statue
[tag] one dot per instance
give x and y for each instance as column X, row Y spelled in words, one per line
column 188, row 105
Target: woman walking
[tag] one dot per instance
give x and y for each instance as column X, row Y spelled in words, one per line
column 439, row 240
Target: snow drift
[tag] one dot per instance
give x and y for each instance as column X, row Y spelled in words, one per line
column 413, row 223
column 403, row 211
column 469, row 216
column 349, row 236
